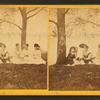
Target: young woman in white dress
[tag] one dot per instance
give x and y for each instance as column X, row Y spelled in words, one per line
column 17, row 54
column 36, row 56
column 25, row 54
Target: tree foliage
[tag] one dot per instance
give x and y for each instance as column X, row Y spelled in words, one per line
column 77, row 19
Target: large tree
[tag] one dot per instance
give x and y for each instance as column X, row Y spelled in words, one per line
column 60, row 25
column 26, row 14
column 61, row 46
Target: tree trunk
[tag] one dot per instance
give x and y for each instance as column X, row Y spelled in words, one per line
column 61, row 46
column 24, row 26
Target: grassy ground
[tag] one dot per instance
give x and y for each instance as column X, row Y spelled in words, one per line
column 24, row 76
column 79, row 77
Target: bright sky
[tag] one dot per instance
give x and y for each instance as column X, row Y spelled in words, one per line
column 36, row 29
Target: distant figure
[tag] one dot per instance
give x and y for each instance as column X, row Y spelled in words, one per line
column 27, row 45
column 17, row 51
column 44, row 55
column 17, row 54
column 98, row 52
column 36, row 55
column 87, row 57
column 25, row 50
column 97, row 59
column 25, row 53
column 70, row 59
column 4, row 55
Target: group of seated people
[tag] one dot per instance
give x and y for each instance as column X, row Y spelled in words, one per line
column 86, row 57
column 23, row 56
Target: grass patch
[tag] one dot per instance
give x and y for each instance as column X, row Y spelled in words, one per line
column 25, row 76
column 79, row 77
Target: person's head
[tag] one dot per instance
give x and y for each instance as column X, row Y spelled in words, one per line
column 27, row 45
column 36, row 46
column 17, row 46
column 86, row 48
column 24, row 47
column 73, row 50
column 3, row 47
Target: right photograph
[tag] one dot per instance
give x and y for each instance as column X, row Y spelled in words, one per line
column 74, row 49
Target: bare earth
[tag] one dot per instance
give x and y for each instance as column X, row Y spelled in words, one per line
column 79, row 77
column 23, row 76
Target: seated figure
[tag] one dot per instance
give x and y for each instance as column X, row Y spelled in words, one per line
column 4, row 55
column 25, row 54
column 87, row 56
column 36, row 56
column 71, row 58
column 17, row 55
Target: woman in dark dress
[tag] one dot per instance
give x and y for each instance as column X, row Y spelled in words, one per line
column 70, row 59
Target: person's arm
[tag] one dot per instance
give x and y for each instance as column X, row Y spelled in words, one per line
column 90, row 55
column 75, row 54
column 6, row 55
column 69, row 57
column 34, row 54
column 15, row 54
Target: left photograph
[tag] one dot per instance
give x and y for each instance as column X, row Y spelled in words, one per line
column 23, row 48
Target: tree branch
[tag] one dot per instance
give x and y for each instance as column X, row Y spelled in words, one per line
column 45, row 10
column 20, row 11
column 94, row 23
column 53, row 22
column 55, row 34
column 87, row 21
column 32, row 10
column 34, row 14
column 10, row 23
column 66, row 11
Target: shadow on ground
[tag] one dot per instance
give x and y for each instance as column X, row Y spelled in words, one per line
column 79, row 77
column 13, row 76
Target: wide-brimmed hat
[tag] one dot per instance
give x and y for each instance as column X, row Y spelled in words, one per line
column 83, row 45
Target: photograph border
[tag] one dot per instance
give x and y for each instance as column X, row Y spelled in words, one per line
column 47, row 91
